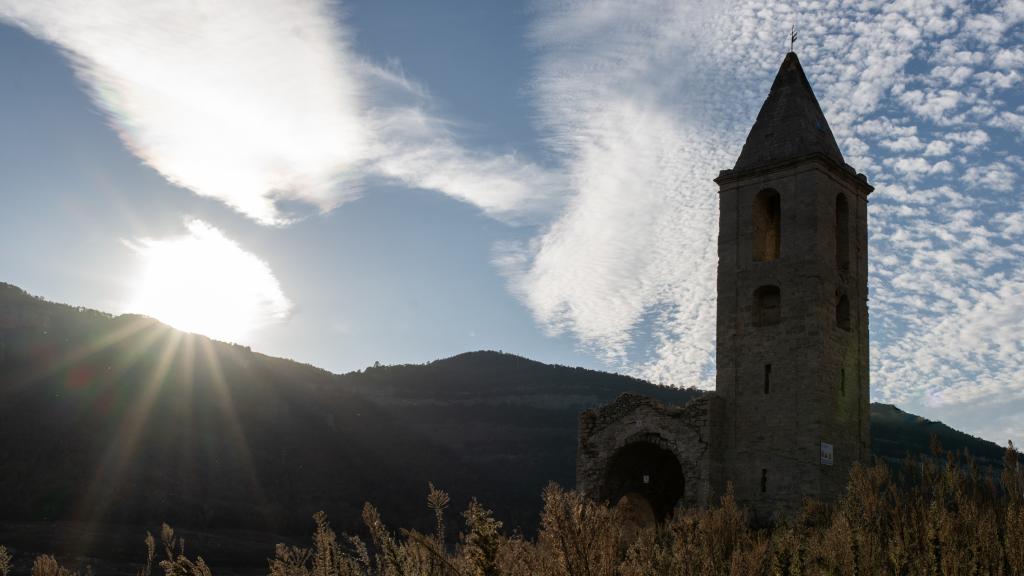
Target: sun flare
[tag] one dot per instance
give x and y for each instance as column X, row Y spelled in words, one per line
column 203, row 282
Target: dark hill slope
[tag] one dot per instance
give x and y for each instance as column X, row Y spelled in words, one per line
column 518, row 417
column 125, row 420
column 122, row 419
column 895, row 433
column 513, row 418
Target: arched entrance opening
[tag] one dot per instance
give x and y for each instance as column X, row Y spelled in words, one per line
column 646, row 474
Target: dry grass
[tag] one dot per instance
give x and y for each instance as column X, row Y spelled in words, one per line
column 938, row 515
column 5, row 561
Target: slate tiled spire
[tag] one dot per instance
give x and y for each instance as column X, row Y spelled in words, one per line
column 790, row 124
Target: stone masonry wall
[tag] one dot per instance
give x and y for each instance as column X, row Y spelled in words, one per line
column 683, row 430
column 772, row 438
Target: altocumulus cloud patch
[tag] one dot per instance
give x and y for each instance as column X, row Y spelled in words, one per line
column 647, row 101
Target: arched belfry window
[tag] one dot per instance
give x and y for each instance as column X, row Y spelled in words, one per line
column 767, row 301
column 842, row 229
column 843, row 312
column 767, row 225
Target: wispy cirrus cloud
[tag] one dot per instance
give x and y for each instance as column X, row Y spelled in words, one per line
column 243, row 102
column 629, row 261
column 263, row 101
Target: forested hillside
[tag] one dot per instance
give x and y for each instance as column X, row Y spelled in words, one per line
column 116, row 421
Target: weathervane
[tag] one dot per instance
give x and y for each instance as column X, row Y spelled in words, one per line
column 792, row 37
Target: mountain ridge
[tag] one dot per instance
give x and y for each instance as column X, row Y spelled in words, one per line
column 124, row 420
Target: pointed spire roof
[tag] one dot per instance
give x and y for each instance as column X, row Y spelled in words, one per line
column 790, row 124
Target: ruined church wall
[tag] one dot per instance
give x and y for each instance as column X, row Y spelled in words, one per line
column 686, row 431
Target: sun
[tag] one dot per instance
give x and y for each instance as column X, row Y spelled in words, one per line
column 205, row 283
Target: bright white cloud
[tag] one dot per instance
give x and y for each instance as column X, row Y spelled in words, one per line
column 915, row 167
column 937, row 148
column 953, row 75
column 932, row 105
column 253, row 102
column 246, row 102
column 971, row 139
column 903, row 143
column 1010, row 121
column 419, row 151
column 995, row 176
column 204, row 282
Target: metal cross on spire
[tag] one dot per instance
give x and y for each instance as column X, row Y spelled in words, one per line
column 792, row 37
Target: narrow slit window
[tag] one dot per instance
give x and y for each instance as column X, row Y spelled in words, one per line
column 767, row 300
column 842, row 230
column 842, row 381
column 843, row 312
column 767, row 225
column 764, row 479
column 767, row 378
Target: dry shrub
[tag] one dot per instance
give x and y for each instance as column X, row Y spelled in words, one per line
column 482, row 541
column 5, row 561
column 47, row 565
column 578, row 536
column 934, row 515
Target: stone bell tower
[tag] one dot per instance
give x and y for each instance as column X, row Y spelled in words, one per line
column 789, row 415
column 792, row 357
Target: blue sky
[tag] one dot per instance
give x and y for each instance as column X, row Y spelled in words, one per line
column 349, row 182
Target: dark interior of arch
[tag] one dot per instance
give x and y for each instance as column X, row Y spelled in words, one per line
column 664, row 485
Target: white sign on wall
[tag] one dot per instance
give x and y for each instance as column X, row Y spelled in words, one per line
column 826, row 454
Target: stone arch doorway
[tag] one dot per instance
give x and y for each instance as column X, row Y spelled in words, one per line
column 648, row 475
